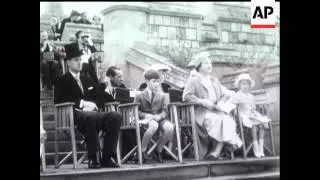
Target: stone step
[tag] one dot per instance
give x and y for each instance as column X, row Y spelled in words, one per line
column 47, row 108
column 61, row 136
column 48, row 125
column 64, row 146
column 169, row 170
column 48, row 117
column 50, row 157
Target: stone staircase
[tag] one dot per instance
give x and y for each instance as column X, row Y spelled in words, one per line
column 46, row 97
column 141, row 56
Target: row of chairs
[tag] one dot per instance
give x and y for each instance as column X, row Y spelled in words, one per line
column 180, row 114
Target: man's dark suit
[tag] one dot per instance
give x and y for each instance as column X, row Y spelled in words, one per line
column 89, row 123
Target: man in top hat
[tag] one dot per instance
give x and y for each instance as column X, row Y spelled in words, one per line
column 82, row 91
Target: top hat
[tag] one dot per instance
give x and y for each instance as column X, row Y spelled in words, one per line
column 72, row 51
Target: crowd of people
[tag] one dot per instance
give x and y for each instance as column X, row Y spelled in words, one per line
column 57, row 27
column 89, row 92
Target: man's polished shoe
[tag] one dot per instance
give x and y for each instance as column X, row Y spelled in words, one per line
column 93, row 164
column 107, row 162
column 158, row 156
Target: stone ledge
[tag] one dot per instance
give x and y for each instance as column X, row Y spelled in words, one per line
column 150, row 11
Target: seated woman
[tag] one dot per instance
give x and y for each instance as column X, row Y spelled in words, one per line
column 212, row 124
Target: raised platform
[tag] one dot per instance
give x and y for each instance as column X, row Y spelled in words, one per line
column 239, row 168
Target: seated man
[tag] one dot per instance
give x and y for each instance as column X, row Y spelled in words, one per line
column 115, row 75
column 153, row 113
column 82, row 91
column 49, row 68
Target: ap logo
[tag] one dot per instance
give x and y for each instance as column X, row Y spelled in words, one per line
column 263, row 14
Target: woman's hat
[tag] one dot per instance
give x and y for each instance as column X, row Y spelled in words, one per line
column 198, row 58
column 244, row 76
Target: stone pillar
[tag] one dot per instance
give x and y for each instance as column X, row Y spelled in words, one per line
column 123, row 25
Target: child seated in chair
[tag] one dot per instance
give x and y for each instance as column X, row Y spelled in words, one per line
column 247, row 113
column 153, row 114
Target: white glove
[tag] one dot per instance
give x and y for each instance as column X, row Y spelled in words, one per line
column 89, row 106
column 90, row 41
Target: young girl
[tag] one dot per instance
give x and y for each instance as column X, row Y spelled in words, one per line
column 247, row 113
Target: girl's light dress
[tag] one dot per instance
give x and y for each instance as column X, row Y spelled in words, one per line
column 247, row 110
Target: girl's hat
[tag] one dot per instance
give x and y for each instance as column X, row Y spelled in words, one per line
column 244, row 76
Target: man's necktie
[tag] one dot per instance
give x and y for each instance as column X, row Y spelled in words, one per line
column 79, row 83
column 152, row 96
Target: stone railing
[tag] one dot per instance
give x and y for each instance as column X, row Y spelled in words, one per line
column 143, row 58
column 272, row 75
column 70, row 30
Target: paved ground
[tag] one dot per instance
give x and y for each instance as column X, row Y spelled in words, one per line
column 265, row 176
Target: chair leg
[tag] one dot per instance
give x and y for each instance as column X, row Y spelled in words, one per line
column 177, row 128
column 139, row 143
column 242, row 138
column 74, row 152
column 247, row 150
column 56, row 149
column 272, row 138
column 119, row 143
column 194, row 134
column 43, row 158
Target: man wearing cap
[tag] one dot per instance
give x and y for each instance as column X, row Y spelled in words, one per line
column 82, row 91
column 153, row 114
column 162, row 69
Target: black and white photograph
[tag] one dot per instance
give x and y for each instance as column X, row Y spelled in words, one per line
column 159, row 90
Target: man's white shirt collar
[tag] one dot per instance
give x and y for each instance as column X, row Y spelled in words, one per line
column 76, row 76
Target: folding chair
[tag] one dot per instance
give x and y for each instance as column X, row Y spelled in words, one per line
column 42, row 148
column 64, row 121
column 129, row 112
column 262, row 106
column 183, row 115
column 173, row 120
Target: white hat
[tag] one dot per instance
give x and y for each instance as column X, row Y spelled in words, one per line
column 244, row 76
column 159, row 67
